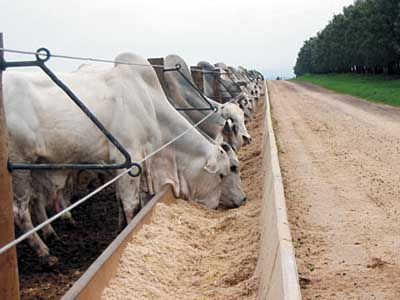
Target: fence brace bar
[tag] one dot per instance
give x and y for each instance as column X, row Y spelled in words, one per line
column 40, row 62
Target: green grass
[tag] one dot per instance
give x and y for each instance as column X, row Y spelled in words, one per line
column 375, row 88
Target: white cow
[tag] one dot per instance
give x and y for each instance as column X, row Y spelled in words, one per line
column 183, row 95
column 231, row 88
column 46, row 126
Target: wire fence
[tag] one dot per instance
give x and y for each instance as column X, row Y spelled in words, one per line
column 99, row 189
column 80, row 58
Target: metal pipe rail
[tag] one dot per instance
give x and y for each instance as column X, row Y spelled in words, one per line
column 178, row 68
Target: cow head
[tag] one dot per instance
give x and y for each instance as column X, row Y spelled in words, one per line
column 218, row 184
column 231, row 135
column 235, row 129
column 204, row 184
column 232, row 194
column 246, row 105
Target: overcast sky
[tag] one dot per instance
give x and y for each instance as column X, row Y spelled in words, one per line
column 261, row 34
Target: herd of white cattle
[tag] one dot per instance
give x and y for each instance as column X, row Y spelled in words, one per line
column 45, row 126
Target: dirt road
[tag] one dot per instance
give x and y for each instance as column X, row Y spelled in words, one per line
column 340, row 160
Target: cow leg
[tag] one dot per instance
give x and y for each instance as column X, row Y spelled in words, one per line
column 127, row 189
column 40, row 215
column 69, row 192
column 23, row 221
column 22, row 217
column 145, row 198
column 121, row 216
column 146, row 187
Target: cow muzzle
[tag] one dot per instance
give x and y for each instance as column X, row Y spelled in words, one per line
column 246, row 140
column 241, row 202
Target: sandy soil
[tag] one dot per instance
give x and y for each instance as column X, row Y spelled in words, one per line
column 190, row 252
column 340, row 159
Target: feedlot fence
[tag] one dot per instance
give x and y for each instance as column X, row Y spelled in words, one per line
column 9, row 286
column 128, row 164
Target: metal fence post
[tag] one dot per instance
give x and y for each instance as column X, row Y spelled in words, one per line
column 217, row 86
column 158, row 62
column 9, row 282
column 197, row 76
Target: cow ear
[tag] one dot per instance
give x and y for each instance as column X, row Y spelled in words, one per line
column 211, row 166
column 226, row 147
column 235, row 128
column 227, row 127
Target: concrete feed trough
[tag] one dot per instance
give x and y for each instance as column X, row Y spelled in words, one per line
column 276, row 264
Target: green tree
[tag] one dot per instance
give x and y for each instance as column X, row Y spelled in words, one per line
column 365, row 38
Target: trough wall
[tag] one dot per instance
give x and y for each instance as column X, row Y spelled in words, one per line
column 276, row 265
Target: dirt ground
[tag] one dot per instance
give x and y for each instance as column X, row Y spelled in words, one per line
column 340, row 159
column 190, row 252
column 97, row 226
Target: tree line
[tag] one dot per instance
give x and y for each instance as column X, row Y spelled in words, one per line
column 365, row 38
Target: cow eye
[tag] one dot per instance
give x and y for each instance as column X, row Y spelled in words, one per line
column 234, row 169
